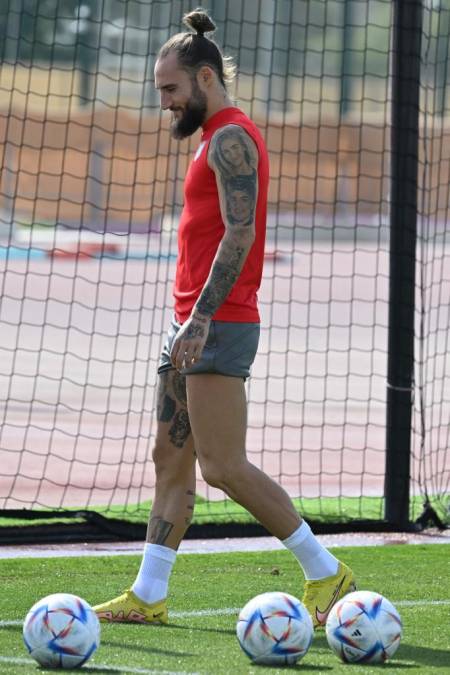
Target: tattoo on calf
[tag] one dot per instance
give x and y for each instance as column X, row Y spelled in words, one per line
column 159, row 530
column 180, row 429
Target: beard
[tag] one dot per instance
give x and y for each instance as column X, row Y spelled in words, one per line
column 194, row 115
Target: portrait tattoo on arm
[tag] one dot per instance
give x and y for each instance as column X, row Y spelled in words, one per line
column 234, row 158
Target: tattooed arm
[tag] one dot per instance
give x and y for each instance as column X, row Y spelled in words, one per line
column 233, row 157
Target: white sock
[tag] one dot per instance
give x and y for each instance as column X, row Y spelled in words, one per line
column 153, row 577
column 315, row 560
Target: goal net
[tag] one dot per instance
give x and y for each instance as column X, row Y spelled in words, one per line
column 90, row 196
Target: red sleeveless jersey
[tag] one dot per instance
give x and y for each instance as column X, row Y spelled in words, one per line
column 201, row 229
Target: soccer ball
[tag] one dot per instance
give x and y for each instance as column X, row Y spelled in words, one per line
column 274, row 628
column 61, row 631
column 364, row 627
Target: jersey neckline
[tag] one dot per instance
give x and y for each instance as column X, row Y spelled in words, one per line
column 215, row 121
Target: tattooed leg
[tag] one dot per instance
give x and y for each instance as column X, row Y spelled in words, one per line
column 158, row 530
column 174, row 459
column 180, row 429
column 179, row 388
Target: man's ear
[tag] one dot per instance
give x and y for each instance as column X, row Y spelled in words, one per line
column 205, row 77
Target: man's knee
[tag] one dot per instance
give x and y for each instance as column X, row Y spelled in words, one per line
column 171, row 462
column 220, row 474
column 212, row 474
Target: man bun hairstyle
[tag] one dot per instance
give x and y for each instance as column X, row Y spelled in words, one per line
column 199, row 21
column 194, row 50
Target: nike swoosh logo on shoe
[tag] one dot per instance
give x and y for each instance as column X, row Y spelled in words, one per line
column 321, row 616
column 157, row 615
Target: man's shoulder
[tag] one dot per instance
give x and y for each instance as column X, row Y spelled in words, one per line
column 239, row 125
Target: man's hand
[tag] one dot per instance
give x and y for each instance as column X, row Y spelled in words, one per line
column 188, row 345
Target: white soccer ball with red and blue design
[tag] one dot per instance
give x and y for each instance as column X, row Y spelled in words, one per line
column 61, row 631
column 274, row 629
column 364, row 627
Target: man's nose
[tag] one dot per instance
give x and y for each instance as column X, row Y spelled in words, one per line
column 166, row 100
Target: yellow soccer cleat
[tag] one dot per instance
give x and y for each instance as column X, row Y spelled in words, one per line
column 127, row 608
column 320, row 596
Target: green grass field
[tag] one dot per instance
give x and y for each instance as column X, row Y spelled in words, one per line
column 206, row 591
column 318, row 509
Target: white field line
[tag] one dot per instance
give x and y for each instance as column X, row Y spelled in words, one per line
column 228, row 611
column 98, row 666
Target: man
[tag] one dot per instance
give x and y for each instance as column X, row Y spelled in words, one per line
column 202, row 410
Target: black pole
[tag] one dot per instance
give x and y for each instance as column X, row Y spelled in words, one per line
column 346, row 59
column 442, row 52
column 403, row 233
column 88, row 47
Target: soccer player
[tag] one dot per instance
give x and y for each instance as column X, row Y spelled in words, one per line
column 213, row 338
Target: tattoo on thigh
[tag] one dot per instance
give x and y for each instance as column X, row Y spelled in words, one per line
column 180, row 429
column 159, row 530
column 179, row 387
column 166, row 409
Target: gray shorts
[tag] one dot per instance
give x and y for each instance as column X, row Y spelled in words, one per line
column 230, row 349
